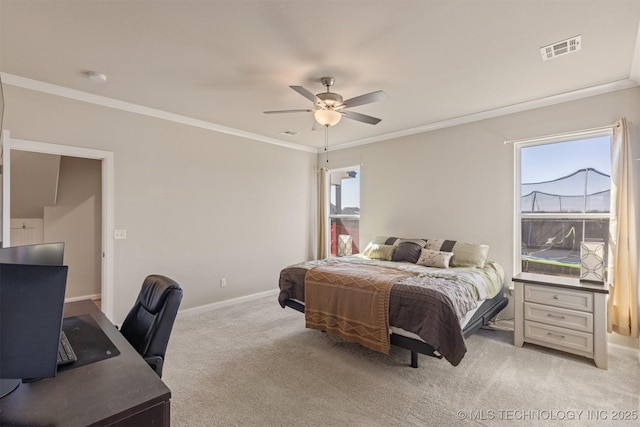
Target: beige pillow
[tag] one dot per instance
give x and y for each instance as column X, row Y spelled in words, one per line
column 431, row 258
column 469, row 255
column 385, row 240
column 377, row 251
column 464, row 254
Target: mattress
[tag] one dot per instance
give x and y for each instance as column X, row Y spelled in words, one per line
column 454, row 294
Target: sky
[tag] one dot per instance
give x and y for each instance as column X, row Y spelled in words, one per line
column 350, row 191
column 550, row 161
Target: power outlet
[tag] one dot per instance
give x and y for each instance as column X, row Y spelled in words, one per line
column 223, row 282
column 119, row 234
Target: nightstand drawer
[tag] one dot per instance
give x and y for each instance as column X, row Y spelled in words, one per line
column 576, row 300
column 559, row 338
column 560, row 317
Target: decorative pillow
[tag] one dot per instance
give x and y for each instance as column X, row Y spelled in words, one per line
column 407, row 251
column 464, row 254
column 376, row 251
column 421, row 242
column 469, row 255
column 385, row 240
column 440, row 245
column 430, row 258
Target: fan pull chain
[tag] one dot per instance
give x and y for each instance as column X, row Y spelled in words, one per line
column 326, row 141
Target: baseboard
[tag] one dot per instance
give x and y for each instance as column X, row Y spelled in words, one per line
column 622, row 347
column 82, row 298
column 216, row 305
column 505, row 324
column 625, row 348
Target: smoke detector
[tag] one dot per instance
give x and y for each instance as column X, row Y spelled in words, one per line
column 96, row 77
column 564, row 47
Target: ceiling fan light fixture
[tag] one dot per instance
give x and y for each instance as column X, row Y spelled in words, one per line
column 329, row 99
column 329, row 107
column 327, row 117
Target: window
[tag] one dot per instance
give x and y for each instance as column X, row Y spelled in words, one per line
column 562, row 191
column 344, row 211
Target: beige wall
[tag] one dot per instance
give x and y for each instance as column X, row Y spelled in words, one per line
column 197, row 205
column 76, row 220
column 34, row 183
column 457, row 183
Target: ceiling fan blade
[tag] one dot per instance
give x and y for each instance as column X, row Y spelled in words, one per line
column 361, row 117
column 365, row 99
column 316, row 125
column 302, row 91
column 286, row 111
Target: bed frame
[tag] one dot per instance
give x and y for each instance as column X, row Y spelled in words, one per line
column 487, row 311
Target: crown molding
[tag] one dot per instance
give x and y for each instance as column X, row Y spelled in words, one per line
column 65, row 92
column 77, row 95
column 497, row 112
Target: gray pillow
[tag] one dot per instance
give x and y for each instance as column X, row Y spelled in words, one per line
column 407, row 251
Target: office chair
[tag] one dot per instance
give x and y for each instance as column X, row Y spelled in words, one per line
column 148, row 325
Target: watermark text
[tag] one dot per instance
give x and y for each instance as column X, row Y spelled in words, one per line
column 548, row 415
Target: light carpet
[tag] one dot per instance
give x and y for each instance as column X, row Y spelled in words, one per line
column 255, row 364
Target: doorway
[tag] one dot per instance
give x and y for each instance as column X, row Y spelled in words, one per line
column 106, row 159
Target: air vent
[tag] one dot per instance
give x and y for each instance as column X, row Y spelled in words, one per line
column 564, row 47
column 289, row 132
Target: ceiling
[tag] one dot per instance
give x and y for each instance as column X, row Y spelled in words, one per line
column 220, row 64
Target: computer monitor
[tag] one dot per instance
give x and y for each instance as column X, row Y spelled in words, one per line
column 31, row 311
column 40, row 254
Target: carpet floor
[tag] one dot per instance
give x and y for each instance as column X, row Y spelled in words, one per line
column 255, row 364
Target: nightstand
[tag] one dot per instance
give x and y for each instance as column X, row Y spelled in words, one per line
column 562, row 313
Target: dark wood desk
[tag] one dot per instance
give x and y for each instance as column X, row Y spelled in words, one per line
column 122, row 390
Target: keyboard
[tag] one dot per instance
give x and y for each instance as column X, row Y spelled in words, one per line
column 66, row 354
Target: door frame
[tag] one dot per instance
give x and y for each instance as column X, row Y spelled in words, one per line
column 106, row 158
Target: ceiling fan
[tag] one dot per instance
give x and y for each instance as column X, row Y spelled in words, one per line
column 329, row 107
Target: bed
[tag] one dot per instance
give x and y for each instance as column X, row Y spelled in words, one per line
column 435, row 293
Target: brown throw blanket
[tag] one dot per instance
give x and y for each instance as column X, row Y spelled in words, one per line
column 351, row 302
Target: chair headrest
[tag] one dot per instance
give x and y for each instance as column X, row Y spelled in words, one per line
column 154, row 292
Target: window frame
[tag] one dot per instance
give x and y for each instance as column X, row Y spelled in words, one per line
column 518, row 215
column 329, row 216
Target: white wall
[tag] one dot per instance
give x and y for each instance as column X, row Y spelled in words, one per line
column 26, row 231
column 457, row 183
column 197, row 205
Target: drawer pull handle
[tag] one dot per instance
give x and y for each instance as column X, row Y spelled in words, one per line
column 555, row 335
column 556, row 297
column 555, row 316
